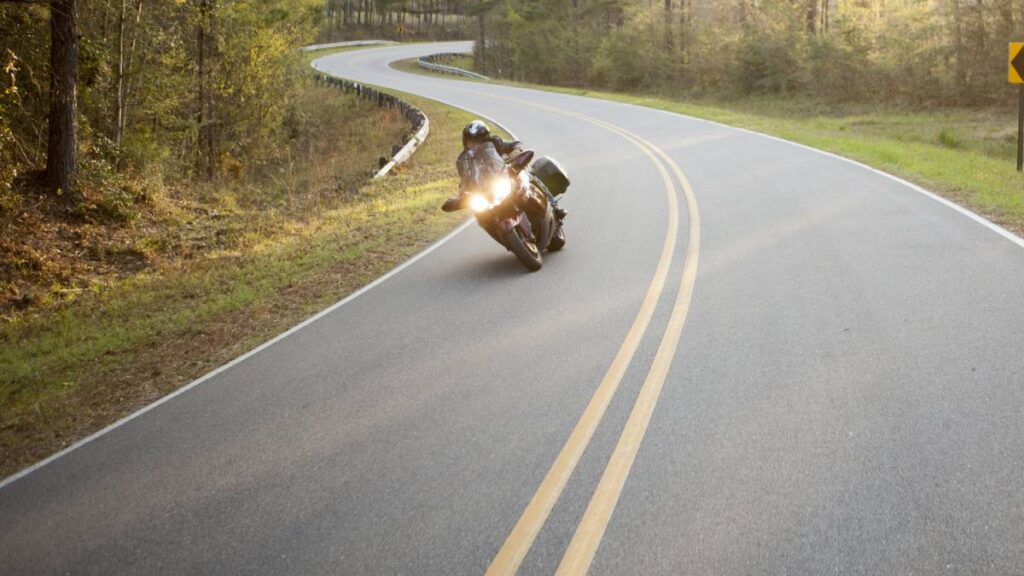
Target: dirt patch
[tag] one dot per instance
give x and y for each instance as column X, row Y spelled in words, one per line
column 51, row 251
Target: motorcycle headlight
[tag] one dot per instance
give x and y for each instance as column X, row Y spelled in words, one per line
column 501, row 188
column 477, row 203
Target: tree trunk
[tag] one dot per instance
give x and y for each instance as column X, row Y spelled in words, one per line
column 61, row 153
column 668, row 27
column 122, row 16
column 206, row 159
column 685, row 12
column 812, row 16
column 128, row 68
column 201, row 83
column 481, row 41
column 960, row 67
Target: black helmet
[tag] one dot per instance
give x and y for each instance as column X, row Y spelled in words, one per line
column 474, row 132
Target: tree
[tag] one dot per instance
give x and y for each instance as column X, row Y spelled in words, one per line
column 62, row 136
column 481, row 39
column 124, row 64
column 204, row 118
column 668, row 26
column 61, row 153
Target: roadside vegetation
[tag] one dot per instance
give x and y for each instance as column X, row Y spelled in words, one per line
column 401, row 20
column 924, row 53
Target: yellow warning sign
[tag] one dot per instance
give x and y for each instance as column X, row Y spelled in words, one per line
column 1016, row 62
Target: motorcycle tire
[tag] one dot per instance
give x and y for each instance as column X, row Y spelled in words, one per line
column 558, row 240
column 526, row 252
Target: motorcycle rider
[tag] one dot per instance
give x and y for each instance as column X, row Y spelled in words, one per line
column 476, row 133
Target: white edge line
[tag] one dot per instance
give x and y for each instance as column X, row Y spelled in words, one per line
column 239, row 359
column 947, row 202
column 916, row 188
column 25, row 472
column 1019, row 241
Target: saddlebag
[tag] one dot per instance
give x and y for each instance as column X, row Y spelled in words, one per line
column 551, row 174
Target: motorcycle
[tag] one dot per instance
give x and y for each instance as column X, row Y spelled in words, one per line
column 510, row 202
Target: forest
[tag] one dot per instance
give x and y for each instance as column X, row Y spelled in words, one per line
column 400, row 19
column 125, row 125
column 916, row 52
column 177, row 87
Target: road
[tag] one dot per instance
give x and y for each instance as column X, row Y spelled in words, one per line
column 750, row 358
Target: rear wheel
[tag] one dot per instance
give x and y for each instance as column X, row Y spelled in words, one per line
column 524, row 250
column 558, row 240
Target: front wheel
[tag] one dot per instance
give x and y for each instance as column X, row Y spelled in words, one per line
column 525, row 251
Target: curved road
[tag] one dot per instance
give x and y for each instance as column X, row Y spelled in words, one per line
column 752, row 357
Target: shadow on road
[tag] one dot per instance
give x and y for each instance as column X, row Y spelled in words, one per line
column 500, row 266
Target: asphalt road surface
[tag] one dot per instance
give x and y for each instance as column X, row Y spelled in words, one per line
column 750, row 358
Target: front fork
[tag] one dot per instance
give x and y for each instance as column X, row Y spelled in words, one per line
column 518, row 221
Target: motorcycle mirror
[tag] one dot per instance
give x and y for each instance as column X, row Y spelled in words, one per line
column 522, row 161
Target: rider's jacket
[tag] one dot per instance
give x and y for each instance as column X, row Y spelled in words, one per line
column 511, row 148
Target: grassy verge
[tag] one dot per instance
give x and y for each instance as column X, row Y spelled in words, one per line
column 964, row 155
column 409, row 65
column 70, row 368
column 967, row 156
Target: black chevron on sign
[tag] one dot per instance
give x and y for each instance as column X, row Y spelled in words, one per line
column 1018, row 62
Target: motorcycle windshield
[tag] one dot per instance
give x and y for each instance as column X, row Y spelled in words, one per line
column 477, row 165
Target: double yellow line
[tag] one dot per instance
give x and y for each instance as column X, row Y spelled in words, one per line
column 589, row 532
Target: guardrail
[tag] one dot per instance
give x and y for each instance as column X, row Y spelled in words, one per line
column 429, row 63
column 347, row 44
column 417, row 119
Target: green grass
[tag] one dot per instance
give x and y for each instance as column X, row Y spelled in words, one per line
column 69, row 370
column 409, row 65
column 121, row 317
column 965, row 155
